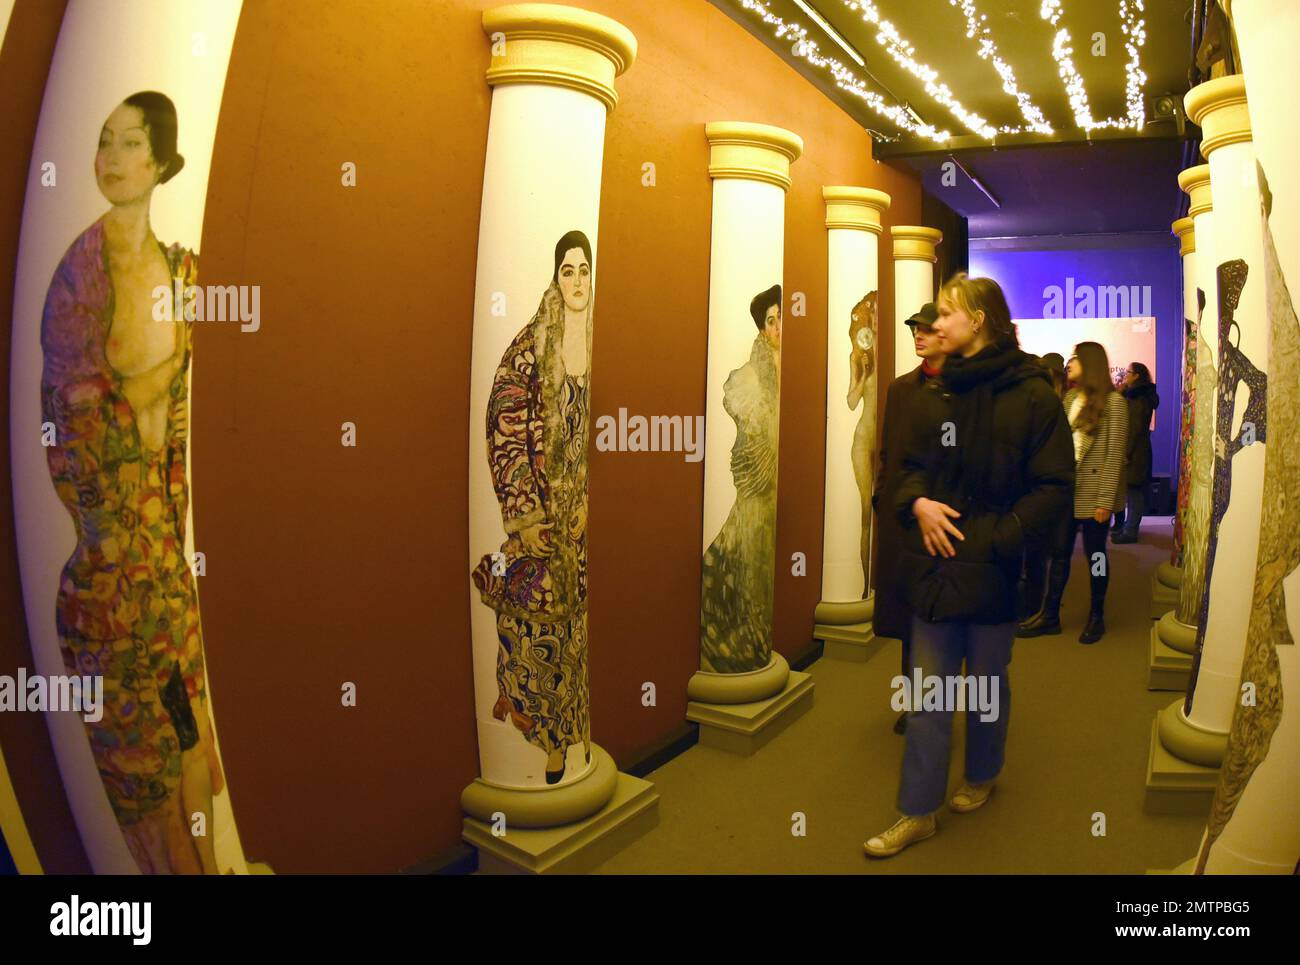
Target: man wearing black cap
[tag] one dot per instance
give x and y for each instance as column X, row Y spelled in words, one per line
column 892, row 616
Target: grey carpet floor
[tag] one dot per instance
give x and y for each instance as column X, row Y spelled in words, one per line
column 1078, row 742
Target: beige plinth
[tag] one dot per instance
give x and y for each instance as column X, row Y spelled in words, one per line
column 739, row 688
column 1169, row 662
column 856, row 642
column 846, row 629
column 545, row 807
column 744, row 728
column 1176, row 786
column 1163, row 597
column 574, row 848
column 1169, row 575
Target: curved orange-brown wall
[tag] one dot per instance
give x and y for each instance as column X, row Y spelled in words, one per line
column 328, row 564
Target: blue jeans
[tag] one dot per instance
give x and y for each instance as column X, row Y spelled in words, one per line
column 937, row 651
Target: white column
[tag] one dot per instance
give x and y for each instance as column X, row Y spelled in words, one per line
column 105, row 53
column 852, row 360
column 750, row 167
column 1184, row 229
column 552, row 74
column 1219, row 107
column 914, row 285
column 1254, row 810
column 1177, row 627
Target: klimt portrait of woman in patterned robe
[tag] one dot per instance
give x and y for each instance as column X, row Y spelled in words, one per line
column 739, row 567
column 115, row 386
column 538, row 424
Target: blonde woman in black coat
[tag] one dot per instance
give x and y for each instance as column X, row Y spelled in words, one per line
column 986, row 468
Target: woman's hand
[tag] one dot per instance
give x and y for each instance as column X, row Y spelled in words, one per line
column 537, row 538
column 1101, row 515
column 935, row 520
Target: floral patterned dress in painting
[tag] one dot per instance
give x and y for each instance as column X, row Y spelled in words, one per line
column 127, row 607
column 538, row 424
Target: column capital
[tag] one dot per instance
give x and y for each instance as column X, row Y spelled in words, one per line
column 915, row 242
column 854, row 208
column 753, row 152
column 1196, row 182
column 1185, row 229
column 546, row 43
column 1218, row 107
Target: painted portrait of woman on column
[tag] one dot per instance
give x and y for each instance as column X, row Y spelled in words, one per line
column 115, row 387
column 538, row 425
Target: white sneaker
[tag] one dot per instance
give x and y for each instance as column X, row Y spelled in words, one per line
column 905, row 831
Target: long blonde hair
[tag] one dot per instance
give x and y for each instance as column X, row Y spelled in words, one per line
column 1094, row 383
column 983, row 295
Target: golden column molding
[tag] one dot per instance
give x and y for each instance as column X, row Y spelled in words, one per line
column 545, row 43
column 1218, row 107
column 1185, row 229
column 854, row 208
column 752, row 152
column 915, row 242
column 1196, row 182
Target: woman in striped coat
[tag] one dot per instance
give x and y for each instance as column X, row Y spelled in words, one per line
column 1098, row 418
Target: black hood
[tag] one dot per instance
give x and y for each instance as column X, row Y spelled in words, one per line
column 1145, row 390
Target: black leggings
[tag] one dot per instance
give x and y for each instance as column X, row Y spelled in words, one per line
column 1094, row 543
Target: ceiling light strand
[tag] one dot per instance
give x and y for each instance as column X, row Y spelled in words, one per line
column 977, row 28
column 1134, row 27
column 887, row 35
column 844, row 77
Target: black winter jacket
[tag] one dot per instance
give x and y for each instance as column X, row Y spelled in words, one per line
column 1030, row 473
column 1143, row 400
column 892, row 617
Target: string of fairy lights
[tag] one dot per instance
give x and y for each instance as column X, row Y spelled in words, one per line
column 901, row 50
column 845, row 79
column 1133, row 25
column 977, row 28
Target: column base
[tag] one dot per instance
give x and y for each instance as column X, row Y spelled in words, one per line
column 739, row 688
column 547, row 807
column 1175, row 785
column 575, row 848
column 1163, row 596
column 1169, row 575
column 744, row 728
column 855, row 642
column 1169, row 664
column 847, row 613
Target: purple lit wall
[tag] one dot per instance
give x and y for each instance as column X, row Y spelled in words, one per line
column 1026, row 267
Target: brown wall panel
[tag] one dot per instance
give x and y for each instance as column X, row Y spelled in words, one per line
column 328, row 564
column 24, row 66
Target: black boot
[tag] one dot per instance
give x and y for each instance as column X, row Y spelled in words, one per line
column 1047, row 622
column 1096, row 625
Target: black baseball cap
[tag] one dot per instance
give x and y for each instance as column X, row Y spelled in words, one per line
column 924, row 318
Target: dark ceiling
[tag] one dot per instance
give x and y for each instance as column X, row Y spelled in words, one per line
column 1067, row 183
column 1070, row 189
